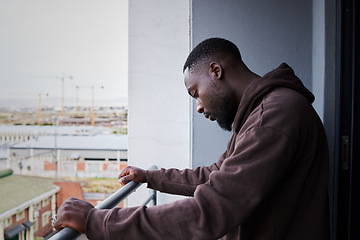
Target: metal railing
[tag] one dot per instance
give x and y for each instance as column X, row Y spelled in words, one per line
column 110, row 202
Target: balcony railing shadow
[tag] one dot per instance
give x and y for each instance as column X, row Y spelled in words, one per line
column 110, row 202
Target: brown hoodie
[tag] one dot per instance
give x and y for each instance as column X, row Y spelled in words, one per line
column 270, row 183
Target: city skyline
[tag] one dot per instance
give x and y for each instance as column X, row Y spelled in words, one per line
column 45, row 41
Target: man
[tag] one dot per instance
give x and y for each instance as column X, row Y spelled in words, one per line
column 270, row 183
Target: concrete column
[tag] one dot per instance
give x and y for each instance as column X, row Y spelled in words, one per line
column 118, row 160
column 58, row 160
column 53, row 204
column 8, row 158
column 32, row 159
column 30, row 233
column 159, row 116
column 2, row 230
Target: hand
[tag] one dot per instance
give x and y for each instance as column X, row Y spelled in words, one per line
column 73, row 213
column 132, row 174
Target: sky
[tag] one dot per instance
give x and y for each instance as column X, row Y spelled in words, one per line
column 42, row 41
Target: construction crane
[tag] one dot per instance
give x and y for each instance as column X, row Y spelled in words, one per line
column 92, row 102
column 77, row 101
column 40, row 108
column 62, row 78
column 39, row 120
column 62, row 93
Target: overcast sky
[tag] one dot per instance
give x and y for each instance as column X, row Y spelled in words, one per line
column 42, row 40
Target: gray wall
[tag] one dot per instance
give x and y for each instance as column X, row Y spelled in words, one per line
column 318, row 63
column 267, row 34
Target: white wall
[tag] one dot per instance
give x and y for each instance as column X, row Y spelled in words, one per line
column 159, row 115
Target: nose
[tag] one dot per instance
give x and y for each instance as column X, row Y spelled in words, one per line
column 200, row 108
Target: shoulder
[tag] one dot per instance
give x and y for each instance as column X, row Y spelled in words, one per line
column 282, row 109
column 285, row 102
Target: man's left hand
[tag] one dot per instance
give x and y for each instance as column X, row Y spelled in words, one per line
column 73, row 213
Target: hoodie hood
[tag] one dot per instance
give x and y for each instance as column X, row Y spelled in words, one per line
column 282, row 76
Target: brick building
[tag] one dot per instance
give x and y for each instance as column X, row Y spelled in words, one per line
column 27, row 204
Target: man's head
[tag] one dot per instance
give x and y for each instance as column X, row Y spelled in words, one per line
column 209, row 73
column 208, row 49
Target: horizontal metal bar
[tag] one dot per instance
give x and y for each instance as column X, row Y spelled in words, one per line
column 110, row 202
column 114, row 199
column 65, row 234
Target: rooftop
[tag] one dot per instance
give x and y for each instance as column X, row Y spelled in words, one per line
column 16, row 190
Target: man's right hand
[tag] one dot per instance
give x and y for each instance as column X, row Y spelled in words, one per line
column 132, row 174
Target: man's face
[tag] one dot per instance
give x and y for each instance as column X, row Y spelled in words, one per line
column 212, row 98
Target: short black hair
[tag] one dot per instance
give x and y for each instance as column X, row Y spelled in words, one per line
column 208, row 48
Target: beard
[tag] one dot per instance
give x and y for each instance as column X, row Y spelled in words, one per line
column 224, row 109
column 226, row 114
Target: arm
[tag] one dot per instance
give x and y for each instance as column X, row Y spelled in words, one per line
column 181, row 182
column 174, row 181
column 245, row 178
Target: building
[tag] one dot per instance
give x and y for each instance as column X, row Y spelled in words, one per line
column 12, row 134
column 67, row 189
column 102, row 155
column 27, row 204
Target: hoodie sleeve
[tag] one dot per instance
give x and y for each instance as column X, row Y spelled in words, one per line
column 224, row 202
column 181, row 182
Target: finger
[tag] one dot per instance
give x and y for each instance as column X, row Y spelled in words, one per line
column 60, row 225
column 124, row 180
column 124, row 172
column 57, row 225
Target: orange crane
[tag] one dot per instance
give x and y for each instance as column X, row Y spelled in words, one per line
column 40, row 108
column 92, row 103
column 62, row 92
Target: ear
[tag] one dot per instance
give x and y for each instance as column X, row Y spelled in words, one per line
column 216, row 70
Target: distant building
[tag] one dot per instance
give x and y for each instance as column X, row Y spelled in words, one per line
column 27, row 204
column 98, row 121
column 70, row 156
column 12, row 134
